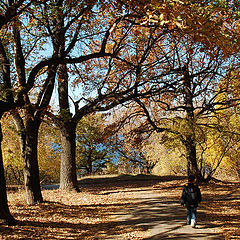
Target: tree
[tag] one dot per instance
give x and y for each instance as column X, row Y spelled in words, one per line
column 58, row 57
column 44, row 73
column 33, row 112
column 4, row 212
column 133, row 157
column 211, row 23
column 7, row 100
column 197, row 67
column 191, row 97
column 11, row 152
column 221, row 148
column 94, row 150
column 49, row 152
column 103, row 81
column 167, row 155
column 70, row 19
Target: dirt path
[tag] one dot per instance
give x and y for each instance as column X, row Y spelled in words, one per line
column 125, row 208
column 164, row 218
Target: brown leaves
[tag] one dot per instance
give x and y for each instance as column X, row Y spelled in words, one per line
column 92, row 213
column 85, row 215
column 222, row 207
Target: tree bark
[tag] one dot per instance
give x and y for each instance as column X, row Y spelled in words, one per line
column 68, row 176
column 68, row 173
column 31, row 169
column 190, row 145
column 190, row 138
column 5, row 105
column 29, row 143
column 4, row 209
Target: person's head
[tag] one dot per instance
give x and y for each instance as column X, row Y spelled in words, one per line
column 191, row 178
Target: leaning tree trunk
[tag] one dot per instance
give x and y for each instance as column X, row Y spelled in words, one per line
column 68, row 175
column 4, row 209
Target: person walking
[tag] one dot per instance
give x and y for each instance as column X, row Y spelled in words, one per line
column 191, row 197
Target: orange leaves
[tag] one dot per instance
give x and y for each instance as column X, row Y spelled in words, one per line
column 212, row 24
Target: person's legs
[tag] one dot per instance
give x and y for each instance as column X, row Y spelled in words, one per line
column 193, row 216
column 189, row 214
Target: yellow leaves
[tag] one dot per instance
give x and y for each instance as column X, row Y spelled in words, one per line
column 234, row 121
column 168, row 13
column 11, row 146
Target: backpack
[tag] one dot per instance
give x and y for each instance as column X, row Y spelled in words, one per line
column 191, row 195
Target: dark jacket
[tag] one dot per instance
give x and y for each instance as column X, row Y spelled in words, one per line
column 191, row 195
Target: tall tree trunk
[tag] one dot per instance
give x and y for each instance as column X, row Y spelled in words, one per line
column 68, row 173
column 29, row 137
column 29, row 143
column 68, row 176
column 190, row 138
column 31, row 169
column 4, row 209
column 190, row 145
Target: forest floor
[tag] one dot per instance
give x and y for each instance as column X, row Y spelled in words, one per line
column 126, row 207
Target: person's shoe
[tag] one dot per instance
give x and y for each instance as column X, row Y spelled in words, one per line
column 193, row 223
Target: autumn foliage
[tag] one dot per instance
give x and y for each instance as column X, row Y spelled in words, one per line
column 164, row 73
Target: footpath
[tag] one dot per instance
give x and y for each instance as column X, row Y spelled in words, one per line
column 164, row 219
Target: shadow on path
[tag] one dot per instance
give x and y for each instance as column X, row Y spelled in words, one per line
column 165, row 218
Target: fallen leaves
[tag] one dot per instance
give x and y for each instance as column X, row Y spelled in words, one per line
column 91, row 214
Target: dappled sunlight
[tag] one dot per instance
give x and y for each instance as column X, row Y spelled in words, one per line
column 125, row 208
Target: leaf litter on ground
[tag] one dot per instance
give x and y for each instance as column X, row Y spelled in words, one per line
column 91, row 214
